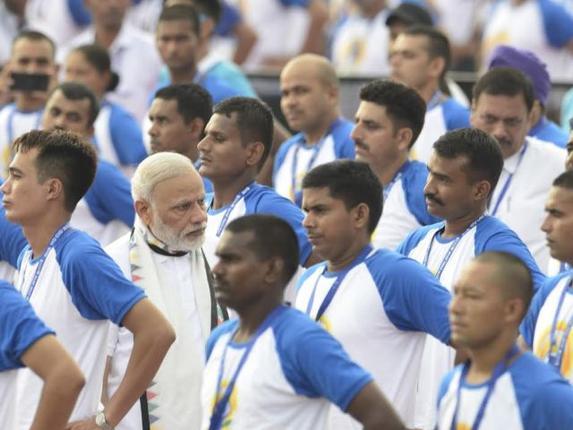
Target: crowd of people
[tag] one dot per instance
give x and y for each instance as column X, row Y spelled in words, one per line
column 172, row 258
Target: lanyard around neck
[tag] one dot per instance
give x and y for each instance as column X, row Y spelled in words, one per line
column 230, row 208
column 499, row 370
column 556, row 350
column 507, row 183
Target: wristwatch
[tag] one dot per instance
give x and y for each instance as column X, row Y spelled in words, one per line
column 101, row 421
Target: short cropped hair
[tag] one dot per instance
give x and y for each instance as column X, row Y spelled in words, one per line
column 99, row 58
column 438, row 44
column 564, row 180
column 512, row 275
column 253, row 118
column 35, row 36
column 181, row 12
column 350, row 181
column 484, row 157
column 211, row 8
column 193, row 101
column 272, row 237
column 76, row 91
column 63, row 155
column 505, row 81
column 155, row 169
column 404, row 106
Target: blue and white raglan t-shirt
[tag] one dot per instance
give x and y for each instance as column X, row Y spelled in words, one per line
column 548, row 131
column 293, row 372
column 336, row 144
column 258, row 199
column 528, row 396
column 489, row 234
column 404, row 206
column 447, row 115
column 79, row 288
column 545, row 28
column 20, row 328
column 106, row 212
column 14, row 123
column 384, row 305
column 542, row 322
column 118, row 136
column 12, row 242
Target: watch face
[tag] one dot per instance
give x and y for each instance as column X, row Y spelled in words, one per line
column 100, row 419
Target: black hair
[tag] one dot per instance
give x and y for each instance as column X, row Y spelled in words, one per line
column 63, row 155
column 193, row 101
column 484, row 156
column 253, row 118
column 180, row 12
column 505, row 81
column 564, row 180
column 438, row 44
column 35, row 36
column 272, row 237
column 350, row 181
column 211, row 8
column 404, row 106
column 76, row 91
column 99, row 58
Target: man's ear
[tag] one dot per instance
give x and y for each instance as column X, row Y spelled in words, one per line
column 55, row 189
column 143, row 210
column 361, row 215
column 255, row 151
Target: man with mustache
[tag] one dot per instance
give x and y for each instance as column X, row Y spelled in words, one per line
column 502, row 105
column 310, row 103
column 463, row 171
column 163, row 255
column 388, row 122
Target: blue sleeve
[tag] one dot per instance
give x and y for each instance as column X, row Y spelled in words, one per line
column 413, row 239
column 226, row 327
column 412, row 297
column 218, row 90
column 12, row 240
column 98, row 288
column 456, row 115
column 109, row 197
column 282, row 153
column 308, row 273
column 79, row 13
column 19, row 327
column 301, row 3
column 343, row 144
column 527, row 327
column 501, row 238
column 413, row 183
column 550, row 407
column 269, row 202
column 126, row 137
column 229, row 19
column 557, row 22
column 315, row 364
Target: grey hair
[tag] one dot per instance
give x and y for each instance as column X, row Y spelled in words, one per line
column 157, row 168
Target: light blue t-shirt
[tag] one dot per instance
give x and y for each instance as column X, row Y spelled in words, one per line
column 528, row 396
column 293, row 368
column 548, row 131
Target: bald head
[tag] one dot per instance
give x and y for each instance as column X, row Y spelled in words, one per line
column 313, row 65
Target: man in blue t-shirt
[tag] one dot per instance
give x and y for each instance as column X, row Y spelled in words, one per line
column 500, row 386
column 274, row 367
column 72, row 284
column 26, row 341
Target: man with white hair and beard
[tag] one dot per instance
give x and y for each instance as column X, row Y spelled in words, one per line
column 163, row 255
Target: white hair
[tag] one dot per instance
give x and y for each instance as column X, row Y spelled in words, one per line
column 157, row 168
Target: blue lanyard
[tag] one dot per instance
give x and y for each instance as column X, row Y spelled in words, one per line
column 10, row 126
column 564, row 267
column 386, row 190
column 339, row 278
column 43, row 258
column 221, row 403
column 508, row 181
column 295, row 194
column 556, row 351
column 450, row 250
column 230, row 208
column 500, row 368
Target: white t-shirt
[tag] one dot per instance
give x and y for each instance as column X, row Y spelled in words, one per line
column 291, row 373
column 79, row 288
column 386, row 303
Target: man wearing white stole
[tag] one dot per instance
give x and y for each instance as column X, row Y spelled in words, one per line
column 163, row 256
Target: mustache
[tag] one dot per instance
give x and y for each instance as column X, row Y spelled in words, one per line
column 503, row 141
column 360, row 144
column 195, row 228
column 433, row 198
